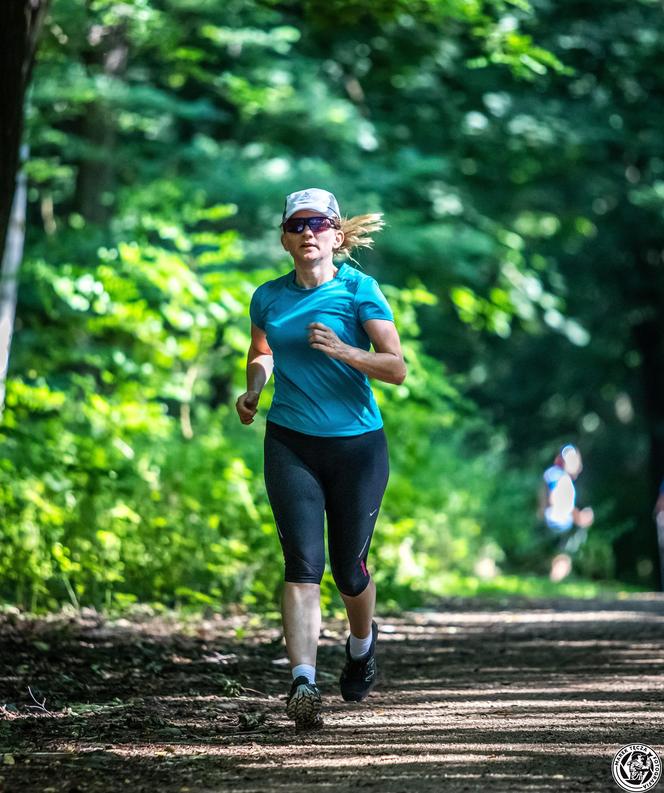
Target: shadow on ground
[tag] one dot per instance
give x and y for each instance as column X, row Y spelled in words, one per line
column 514, row 695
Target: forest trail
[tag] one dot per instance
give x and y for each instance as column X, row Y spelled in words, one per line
column 493, row 695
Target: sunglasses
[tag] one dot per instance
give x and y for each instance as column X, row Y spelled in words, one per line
column 316, row 224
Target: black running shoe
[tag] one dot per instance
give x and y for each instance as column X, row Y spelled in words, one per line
column 304, row 704
column 359, row 675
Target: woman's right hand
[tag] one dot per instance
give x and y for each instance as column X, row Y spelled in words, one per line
column 585, row 517
column 247, row 405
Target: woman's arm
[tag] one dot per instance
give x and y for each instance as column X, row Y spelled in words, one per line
column 259, row 368
column 542, row 500
column 384, row 363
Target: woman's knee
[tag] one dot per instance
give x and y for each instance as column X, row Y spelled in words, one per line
column 351, row 581
column 296, row 592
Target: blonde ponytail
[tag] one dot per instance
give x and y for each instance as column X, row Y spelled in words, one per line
column 357, row 231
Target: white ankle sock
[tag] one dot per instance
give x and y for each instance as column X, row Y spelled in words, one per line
column 305, row 670
column 360, row 647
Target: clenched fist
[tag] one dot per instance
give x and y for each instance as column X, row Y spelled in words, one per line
column 247, row 405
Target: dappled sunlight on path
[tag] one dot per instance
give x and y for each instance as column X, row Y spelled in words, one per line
column 507, row 696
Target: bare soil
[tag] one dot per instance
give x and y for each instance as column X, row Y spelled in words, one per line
column 509, row 695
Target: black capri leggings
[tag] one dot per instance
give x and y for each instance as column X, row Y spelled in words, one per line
column 345, row 477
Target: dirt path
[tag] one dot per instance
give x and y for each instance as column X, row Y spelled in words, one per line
column 475, row 696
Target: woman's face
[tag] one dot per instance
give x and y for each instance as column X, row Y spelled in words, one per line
column 307, row 247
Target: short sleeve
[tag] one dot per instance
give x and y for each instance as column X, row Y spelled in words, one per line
column 256, row 309
column 370, row 302
column 552, row 476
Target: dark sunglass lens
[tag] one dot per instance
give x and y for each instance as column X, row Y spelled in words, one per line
column 294, row 225
column 318, row 224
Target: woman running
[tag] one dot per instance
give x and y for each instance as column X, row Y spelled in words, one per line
column 325, row 449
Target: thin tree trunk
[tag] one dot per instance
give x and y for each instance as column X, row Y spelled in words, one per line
column 11, row 263
column 20, row 23
column 649, row 337
column 95, row 183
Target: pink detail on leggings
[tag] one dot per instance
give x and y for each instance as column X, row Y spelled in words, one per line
column 364, row 567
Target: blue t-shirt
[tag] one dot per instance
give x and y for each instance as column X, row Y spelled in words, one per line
column 314, row 393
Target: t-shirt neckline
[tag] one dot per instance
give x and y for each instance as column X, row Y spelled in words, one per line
column 293, row 284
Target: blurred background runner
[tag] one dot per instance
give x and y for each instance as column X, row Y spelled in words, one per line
column 567, row 526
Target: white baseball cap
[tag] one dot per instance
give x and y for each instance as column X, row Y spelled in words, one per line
column 571, row 459
column 314, row 199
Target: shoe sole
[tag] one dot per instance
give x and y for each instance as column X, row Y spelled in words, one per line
column 304, row 709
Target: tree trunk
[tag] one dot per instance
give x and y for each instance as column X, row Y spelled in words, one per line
column 20, row 22
column 649, row 336
column 11, row 263
column 95, row 182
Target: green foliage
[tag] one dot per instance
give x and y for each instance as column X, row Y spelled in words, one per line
column 130, row 485
column 108, row 485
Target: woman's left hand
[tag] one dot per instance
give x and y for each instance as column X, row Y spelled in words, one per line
column 326, row 340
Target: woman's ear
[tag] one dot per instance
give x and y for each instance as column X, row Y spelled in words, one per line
column 283, row 243
column 339, row 238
